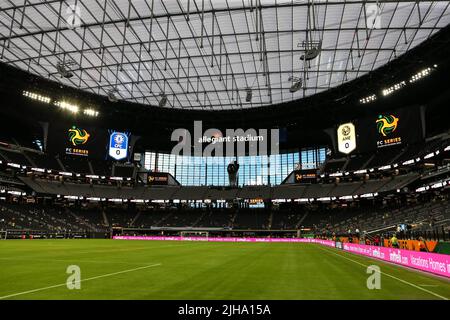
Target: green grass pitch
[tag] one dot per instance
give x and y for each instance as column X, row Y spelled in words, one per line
column 120, row 269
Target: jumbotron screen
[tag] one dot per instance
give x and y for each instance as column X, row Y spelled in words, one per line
column 391, row 128
column 381, row 130
column 86, row 141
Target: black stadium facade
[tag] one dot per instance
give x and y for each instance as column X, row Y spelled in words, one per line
column 314, row 124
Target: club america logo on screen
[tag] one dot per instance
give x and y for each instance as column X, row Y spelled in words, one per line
column 346, row 134
column 118, row 145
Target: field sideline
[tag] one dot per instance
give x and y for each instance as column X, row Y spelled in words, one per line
column 120, row 269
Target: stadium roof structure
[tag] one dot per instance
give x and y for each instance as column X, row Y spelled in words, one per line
column 211, row 54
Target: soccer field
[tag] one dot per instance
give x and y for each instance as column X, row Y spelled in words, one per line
column 118, row 269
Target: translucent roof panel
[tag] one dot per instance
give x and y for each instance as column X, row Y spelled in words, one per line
column 211, row 54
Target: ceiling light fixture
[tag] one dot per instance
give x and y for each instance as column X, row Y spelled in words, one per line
column 248, row 98
column 312, row 50
column 64, row 70
column 112, row 95
column 163, row 100
column 296, row 85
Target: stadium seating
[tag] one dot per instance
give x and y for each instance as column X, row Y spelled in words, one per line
column 398, row 154
column 374, row 220
column 78, row 165
column 251, row 219
column 288, row 219
column 113, row 190
column 334, row 165
column 32, row 217
column 14, row 157
column 358, row 162
column 101, row 168
column 422, row 216
column 41, row 160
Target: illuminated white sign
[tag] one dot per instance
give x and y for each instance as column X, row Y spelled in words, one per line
column 346, row 138
column 118, row 145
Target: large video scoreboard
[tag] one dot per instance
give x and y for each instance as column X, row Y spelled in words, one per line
column 76, row 139
column 380, row 130
column 387, row 129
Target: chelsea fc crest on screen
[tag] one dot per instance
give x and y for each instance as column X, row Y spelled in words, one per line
column 118, row 145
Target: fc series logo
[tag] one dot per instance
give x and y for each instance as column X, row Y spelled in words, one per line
column 78, row 136
column 386, row 124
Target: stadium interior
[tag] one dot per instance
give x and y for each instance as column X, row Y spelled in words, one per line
column 356, row 118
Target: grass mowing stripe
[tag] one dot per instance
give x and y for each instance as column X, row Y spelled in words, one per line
column 32, row 259
column 132, row 249
column 386, row 274
column 72, row 261
column 82, row 280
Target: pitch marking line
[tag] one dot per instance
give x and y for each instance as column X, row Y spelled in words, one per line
column 428, row 285
column 82, row 280
column 391, row 276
